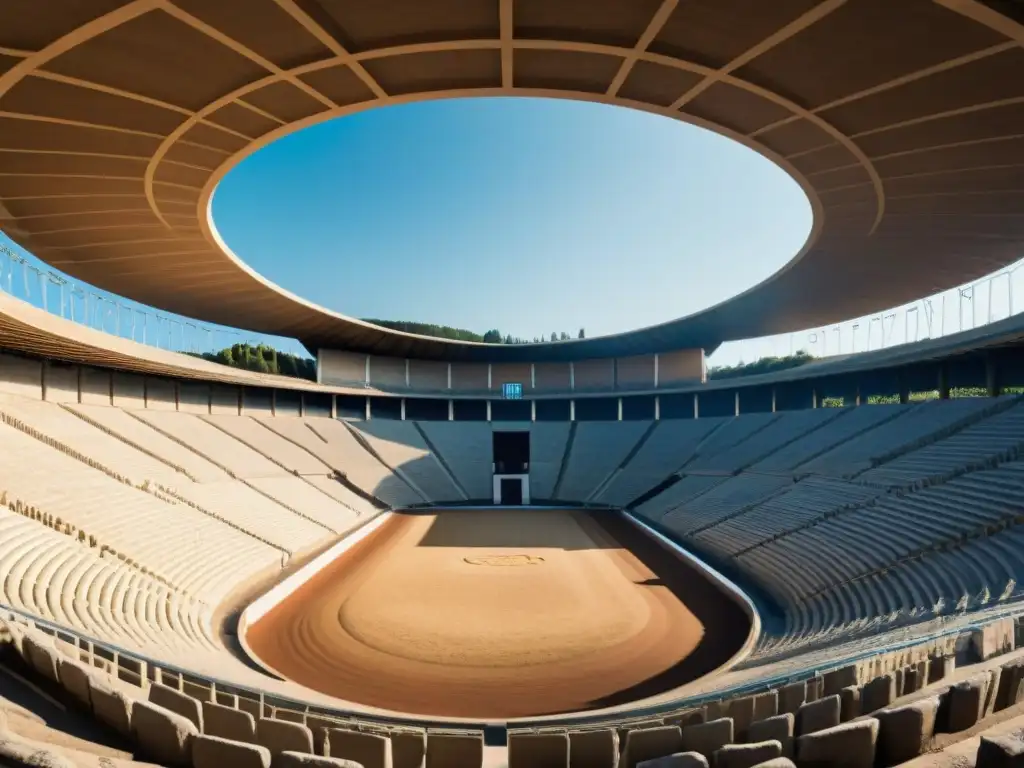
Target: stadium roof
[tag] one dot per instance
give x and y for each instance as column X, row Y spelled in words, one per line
column 903, row 121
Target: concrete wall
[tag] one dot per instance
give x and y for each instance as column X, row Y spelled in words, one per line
column 635, row 372
column 428, row 375
column 341, row 367
column 95, row 386
column 21, row 376
column 161, row 394
column 194, row 397
column 129, row 391
column 512, row 373
column 387, row 372
column 60, row 382
column 469, row 376
column 224, row 400
column 682, row 366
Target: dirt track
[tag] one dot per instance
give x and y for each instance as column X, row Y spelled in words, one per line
column 499, row 614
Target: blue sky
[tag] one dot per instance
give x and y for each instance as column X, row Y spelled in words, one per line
column 525, row 215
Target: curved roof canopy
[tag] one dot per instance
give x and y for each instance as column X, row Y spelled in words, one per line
column 903, row 120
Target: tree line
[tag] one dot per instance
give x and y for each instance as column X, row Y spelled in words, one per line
column 493, row 336
column 262, row 358
column 764, row 365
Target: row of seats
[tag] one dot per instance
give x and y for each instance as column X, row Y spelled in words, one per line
column 881, row 710
column 50, row 574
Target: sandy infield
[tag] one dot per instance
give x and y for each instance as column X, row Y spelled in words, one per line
column 499, row 614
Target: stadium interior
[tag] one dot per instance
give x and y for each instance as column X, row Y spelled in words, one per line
column 445, row 554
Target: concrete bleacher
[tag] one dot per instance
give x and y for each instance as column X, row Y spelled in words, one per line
column 265, row 442
column 333, row 443
column 119, row 423
column 191, row 550
column 667, row 449
column 52, row 575
column 732, row 432
column 598, row 449
column 723, row 500
column 402, row 448
column 548, row 441
column 994, row 438
column 684, row 489
column 210, row 442
column 64, row 426
column 466, row 449
column 914, row 425
column 785, row 428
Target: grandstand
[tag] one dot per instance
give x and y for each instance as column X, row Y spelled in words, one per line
column 208, row 566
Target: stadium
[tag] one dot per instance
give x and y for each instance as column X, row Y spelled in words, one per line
column 453, row 554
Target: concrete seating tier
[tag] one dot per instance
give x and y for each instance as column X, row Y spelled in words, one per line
column 665, row 451
column 732, row 432
column 139, row 433
column 725, row 499
column 401, row 446
column 548, row 441
column 850, row 422
column 188, row 548
column 912, row 427
column 466, row 448
column 53, row 576
column 780, row 431
column 597, row 450
column 249, row 509
column 686, row 488
column 344, row 495
column 211, row 442
column 793, row 508
column 332, row 442
column 82, row 437
column 993, row 438
column 305, row 498
column 268, row 444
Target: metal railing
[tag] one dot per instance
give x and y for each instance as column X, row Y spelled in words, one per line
column 991, row 298
column 85, row 305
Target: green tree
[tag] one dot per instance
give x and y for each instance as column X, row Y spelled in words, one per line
column 582, row 334
column 492, row 337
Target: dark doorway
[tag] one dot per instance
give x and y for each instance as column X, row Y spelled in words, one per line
column 512, row 491
column 511, row 453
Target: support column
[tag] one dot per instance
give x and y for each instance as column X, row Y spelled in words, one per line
column 572, row 410
column 451, row 403
column 366, row 374
column 696, row 406
column 302, row 404
column 449, row 375
column 407, row 371
column 991, row 376
column 533, row 375
column 904, row 388
column 334, row 406
column 533, row 410
column 736, row 404
column 943, row 382
column 490, row 379
column 657, row 407
column 572, row 375
column 488, row 403
column 620, row 409
column 656, row 359
column 273, row 400
column 858, row 395
column 814, row 398
column 368, row 411
column 773, row 399
column 403, row 409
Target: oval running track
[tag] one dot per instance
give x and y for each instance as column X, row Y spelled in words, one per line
column 497, row 614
